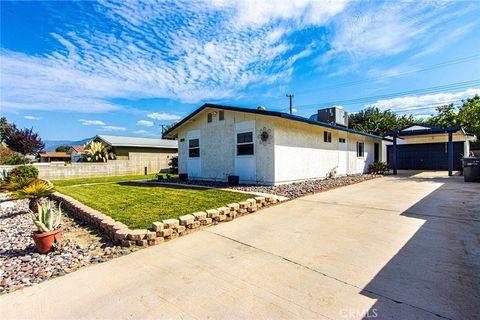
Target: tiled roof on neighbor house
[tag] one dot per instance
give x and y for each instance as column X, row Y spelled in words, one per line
column 79, row 149
column 278, row 114
column 118, row 141
column 54, row 155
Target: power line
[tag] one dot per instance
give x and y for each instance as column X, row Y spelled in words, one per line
column 429, row 90
column 423, row 68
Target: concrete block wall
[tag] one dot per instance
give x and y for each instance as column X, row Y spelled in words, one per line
column 134, row 166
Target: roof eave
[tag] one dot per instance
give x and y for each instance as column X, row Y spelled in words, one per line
column 171, row 132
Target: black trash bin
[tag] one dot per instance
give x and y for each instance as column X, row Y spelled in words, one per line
column 233, row 180
column 471, row 169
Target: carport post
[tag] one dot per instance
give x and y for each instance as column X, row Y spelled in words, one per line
column 450, row 153
column 394, row 156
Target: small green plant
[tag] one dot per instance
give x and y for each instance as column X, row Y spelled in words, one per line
column 36, row 190
column 378, row 168
column 173, row 163
column 46, row 220
column 24, row 171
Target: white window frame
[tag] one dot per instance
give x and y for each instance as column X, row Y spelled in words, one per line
column 189, row 148
column 245, row 143
column 328, row 136
column 363, row 149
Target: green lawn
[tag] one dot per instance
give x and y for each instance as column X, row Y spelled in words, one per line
column 138, row 205
column 71, row 182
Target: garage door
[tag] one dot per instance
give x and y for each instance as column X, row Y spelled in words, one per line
column 426, row 156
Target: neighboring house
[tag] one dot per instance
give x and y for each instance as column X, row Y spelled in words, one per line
column 76, row 153
column 424, row 147
column 152, row 153
column 268, row 147
column 54, row 156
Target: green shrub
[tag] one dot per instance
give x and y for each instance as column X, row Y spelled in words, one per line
column 24, row 171
column 173, row 163
column 378, row 168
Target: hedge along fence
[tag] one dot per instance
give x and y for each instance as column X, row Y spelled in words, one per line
column 160, row 230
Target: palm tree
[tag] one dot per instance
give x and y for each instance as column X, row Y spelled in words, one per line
column 97, row 152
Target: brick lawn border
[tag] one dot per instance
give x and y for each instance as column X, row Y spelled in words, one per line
column 161, row 230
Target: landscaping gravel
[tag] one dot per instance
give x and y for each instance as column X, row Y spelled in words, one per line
column 21, row 266
column 290, row 190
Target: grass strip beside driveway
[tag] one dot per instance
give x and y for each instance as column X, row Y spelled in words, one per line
column 138, row 204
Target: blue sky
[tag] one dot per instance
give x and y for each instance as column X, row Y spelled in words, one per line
column 75, row 69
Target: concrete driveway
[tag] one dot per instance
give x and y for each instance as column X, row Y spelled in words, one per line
column 404, row 247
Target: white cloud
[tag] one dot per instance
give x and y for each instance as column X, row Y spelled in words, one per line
column 140, row 132
column 112, row 128
column 218, row 49
column 91, row 122
column 31, row 118
column 374, row 29
column 422, row 105
column 164, row 116
column 145, row 123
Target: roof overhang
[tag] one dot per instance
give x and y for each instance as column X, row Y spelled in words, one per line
column 429, row 130
column 172, row 132
column 133, row 145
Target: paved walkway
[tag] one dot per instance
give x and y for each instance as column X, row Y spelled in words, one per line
column 395, row 247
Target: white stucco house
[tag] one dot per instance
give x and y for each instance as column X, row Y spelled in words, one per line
column 268, row 147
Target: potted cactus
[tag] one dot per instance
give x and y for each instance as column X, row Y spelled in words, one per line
column 49, row 233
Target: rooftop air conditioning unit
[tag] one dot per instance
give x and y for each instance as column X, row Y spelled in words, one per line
column 333, row 115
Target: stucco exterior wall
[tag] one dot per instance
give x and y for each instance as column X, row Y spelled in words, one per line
column 294, row 151
column 360, row 164
column 218, row 145
column 301, row 152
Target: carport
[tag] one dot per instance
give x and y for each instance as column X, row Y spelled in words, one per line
column 426, row 147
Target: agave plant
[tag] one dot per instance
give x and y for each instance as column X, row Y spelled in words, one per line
column 34, row 191
column 46, row 220
column 97, row 152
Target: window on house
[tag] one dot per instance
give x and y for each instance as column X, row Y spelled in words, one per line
column 209, row 117
column 194, row 148
column 245, row 144
column 360, row 149
column 221, row 115
column 341, row 140
column 327, row 136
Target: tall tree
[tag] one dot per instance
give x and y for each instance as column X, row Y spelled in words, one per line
column 469, row 115
column 4, row 127
column 446, row 116
column 374, row 121
column 23, row 141
column 62, row 148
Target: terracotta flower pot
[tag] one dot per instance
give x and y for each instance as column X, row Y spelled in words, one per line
column 45, row 241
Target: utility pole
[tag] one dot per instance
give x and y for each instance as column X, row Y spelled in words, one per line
column 162, row 129
column 291, row 102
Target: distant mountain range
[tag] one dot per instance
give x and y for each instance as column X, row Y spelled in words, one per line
column 51, row 145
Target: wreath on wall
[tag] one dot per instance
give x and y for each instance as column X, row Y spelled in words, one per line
column 265, row 136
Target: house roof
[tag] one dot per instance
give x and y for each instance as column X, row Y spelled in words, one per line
column 277, row 114
column 79, row 149
column 54, row 155
column 118, row 141
column 423, row 129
